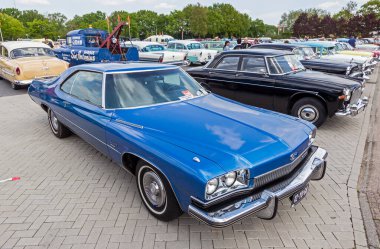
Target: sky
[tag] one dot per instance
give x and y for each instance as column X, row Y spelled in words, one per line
column 269, row 11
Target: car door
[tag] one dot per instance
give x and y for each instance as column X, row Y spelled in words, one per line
column 83, row 107
column 254, row 86
column 221, row 78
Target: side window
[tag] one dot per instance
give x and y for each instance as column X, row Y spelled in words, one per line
column 68, row 84
column 3, row 51
column 86, row 86
column 228, row 63
column 253, row 65
column 180, row 46
column 171, row 46
column 298, row 53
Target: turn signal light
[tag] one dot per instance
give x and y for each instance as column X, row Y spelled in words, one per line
column 18, row 71
column 342, row 97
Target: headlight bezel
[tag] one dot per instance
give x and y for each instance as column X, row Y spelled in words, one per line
column 241, row 181
column 347, row 94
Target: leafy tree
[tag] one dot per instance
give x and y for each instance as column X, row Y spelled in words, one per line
column 347, row 11
column 11, row 27
column 197, row 16
column 301, row 27
column 178, row 24
column 372, row 6
column 13, row 12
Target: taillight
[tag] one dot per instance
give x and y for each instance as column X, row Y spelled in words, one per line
column 161, row 59
column 18, row 71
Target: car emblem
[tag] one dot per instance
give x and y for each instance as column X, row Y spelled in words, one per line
column 293, row 156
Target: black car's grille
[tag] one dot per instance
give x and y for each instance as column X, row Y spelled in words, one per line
column 273, row 175
column 355, row 96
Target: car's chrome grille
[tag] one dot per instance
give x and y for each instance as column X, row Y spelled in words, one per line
column 355, row 96
column 273, row 175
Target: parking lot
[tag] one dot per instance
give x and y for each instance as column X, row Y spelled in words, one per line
column 71, row 196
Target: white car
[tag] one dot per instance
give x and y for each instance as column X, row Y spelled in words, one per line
column 156, row 52
column 196, row 53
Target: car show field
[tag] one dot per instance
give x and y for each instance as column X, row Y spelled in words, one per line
column 181, row 125
column 71, row 196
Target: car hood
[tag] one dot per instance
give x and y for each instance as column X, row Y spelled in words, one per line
column 326, row 62
column 347, row 58
column 313, row 78
column 232, row 135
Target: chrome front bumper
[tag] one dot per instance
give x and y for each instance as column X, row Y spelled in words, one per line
column 28, row 82
column 355, row 109
column 264, row 204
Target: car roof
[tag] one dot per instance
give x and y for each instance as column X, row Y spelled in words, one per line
column 120, row 67
column 143, row 43
column 10, row 45
column 281, row 45
column 186, row 42
column 272, row 52
column 325, row 44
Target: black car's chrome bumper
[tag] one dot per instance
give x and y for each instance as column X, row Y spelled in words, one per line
column 264, row 205
column 355, row 109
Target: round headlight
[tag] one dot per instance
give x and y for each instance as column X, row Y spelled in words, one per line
column 211, row 186
column 230, row 178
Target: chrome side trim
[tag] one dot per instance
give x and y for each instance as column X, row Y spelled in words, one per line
column 313, row 169
column 87, row 133
column 129, row 124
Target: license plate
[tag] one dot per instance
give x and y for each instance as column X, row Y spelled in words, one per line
column 299, row 195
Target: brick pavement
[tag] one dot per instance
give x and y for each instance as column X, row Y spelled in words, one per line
column 71, row 196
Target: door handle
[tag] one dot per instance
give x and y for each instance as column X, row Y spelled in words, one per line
column 211, row 73
column 238, row 74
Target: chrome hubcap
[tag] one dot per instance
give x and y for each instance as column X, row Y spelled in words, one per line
column 308, row 113
column 54, row 121
column 154, row 189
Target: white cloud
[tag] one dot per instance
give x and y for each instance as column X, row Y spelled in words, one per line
column 330, row 5
column 30, row 2
column 165, row 6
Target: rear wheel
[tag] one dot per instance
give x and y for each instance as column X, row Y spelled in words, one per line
column 310, row 109
column 156, row 192
column 58, row 129
column 14, row 86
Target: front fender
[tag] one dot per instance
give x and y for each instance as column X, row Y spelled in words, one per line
column 186, row 176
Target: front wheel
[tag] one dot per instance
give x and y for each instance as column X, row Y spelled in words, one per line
column 58, row 129
column 156, row 193
column 310, row 109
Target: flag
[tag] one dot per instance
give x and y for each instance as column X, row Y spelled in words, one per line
column 129, row 21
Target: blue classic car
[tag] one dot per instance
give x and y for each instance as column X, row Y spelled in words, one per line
column 190, row 150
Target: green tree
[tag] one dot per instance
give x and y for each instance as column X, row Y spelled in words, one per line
column 347, row 11
column 197, row 16
column 372, row 6
column 11, row 27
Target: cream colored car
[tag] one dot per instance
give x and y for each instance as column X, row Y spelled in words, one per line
column 23, row 61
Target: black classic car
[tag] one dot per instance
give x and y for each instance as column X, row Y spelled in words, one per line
column 310, row 61
column 276, row 80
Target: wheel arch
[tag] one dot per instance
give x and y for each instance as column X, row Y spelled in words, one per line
column 294, row 98
column 130, row 160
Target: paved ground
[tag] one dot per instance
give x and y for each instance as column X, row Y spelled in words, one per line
column 71, row 196
column 370, row 184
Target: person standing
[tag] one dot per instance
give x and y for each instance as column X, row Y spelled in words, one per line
column 226, row 46
column 238, row 46
column 352, row 41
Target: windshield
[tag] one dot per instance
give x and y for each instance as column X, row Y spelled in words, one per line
column 308, row 53
column 31, row 52
column 284, row 64
column 124, row 90
column 194, row 46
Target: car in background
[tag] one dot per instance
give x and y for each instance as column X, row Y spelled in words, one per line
column 162, row 39
column 195, row 51
column 191, row 151
column 217, row 45
column 156, row 52
column 327, row 50
column 23, row 61
column 277, row 80
column 310, row 61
